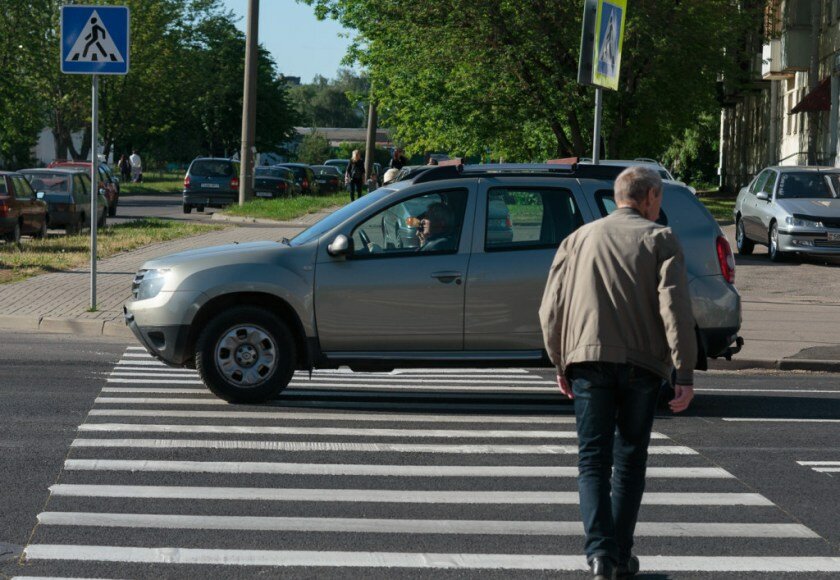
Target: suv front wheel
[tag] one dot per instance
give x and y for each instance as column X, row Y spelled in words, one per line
column 246, row 355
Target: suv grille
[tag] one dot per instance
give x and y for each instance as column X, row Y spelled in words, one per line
column 135, row 285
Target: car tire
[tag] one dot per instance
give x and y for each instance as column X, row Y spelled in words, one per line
column 112, row 210
column 776, row 255
column 226, row 348
column 187, row 208
column 13, row 237
column 42, row 231
column 742, row 242
column 102, row 222
column 199, row 209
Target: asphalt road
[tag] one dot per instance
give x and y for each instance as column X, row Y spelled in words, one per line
column 161, row 206
column 160, row 466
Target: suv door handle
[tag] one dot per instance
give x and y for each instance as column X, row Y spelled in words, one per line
column 448, row 277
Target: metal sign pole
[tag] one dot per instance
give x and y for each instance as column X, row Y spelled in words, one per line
column 94, row 187
column 596, row 132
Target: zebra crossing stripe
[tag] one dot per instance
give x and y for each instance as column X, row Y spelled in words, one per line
column 174, row 380
column 390, row 495
column 341, row 446
column 334, row 379
column 327, row 431
column 406, row 526
column 335, row 469
column 303, row 416
column 418, row 560
column 770, row 420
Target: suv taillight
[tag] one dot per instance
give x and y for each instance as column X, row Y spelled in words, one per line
column 234, row 183
column 187, row 182
column 4, row 209
column 305, row 184
column 726, row 259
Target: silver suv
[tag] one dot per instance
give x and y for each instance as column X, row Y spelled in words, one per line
column 352, row 290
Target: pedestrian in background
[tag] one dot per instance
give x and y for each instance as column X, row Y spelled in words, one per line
column 136, row 167
column 125, row 168
column 398, row 161
column 616, row 317
column 355, row 175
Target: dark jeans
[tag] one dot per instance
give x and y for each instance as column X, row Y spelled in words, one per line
column 355, row 189
column 614, row 409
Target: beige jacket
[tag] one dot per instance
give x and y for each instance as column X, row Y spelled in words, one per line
column 617, row 292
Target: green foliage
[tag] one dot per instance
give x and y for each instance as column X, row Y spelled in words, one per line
column 332, row 103
column 313, row 149
column 345, row 151
column 499, row 77
column 694, row 155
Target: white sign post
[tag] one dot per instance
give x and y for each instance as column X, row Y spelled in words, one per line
column 94, row 41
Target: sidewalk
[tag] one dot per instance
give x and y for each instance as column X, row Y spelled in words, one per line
column 782, row 328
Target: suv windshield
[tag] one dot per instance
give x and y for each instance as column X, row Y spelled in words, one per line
column 339, row 216
column 212, row 168
column 811, row 185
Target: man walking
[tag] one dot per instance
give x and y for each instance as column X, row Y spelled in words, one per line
column 616, row 316
column 136, row 167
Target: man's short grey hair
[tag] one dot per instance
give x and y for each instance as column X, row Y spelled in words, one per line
column 632, row 184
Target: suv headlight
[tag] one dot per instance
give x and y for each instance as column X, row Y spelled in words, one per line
column 800, row 223
column 151, row 284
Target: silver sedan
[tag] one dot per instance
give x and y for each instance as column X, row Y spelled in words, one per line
column 791, row 210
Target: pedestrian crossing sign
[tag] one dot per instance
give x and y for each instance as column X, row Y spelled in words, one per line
column 94, row 40
column 609, row 38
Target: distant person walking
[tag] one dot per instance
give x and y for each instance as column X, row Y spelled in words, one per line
column 136, row 167
column 354, row 176
column 398, row 161
column 124, row 165
column 616, row 317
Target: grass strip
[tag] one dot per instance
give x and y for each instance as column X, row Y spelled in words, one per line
column 287, row 208
column 720, row 208
column 61, row 253
column 154, row 184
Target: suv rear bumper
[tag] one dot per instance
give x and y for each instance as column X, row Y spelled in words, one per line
column 719, row 342
column 210, row 199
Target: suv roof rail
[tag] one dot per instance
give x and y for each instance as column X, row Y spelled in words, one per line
column 555, row 169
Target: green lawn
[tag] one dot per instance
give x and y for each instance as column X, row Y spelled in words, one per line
column 154, row 184
column 58, row 253
column 720, row 208
column 287, row 208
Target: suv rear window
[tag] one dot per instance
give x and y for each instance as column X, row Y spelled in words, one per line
column 209, row 168
column 606, row 204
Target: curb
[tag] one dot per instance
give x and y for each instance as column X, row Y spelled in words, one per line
column 77, row 326
column 785, row 364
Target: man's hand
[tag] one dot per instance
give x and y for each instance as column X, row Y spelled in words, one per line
column 564, row 385
column 684, row 395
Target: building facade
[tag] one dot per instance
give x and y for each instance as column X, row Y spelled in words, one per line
column 788, row 114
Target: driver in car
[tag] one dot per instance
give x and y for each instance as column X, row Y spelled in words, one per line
column 436, row 232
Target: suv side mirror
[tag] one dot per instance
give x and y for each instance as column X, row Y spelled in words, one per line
column 763, row 195
column 340, row 246
column 39, row 195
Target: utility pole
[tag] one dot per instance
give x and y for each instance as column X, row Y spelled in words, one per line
column 814, row 80
column 370, row 144
column 249, row 103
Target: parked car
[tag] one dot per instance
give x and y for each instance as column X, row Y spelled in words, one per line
column 21, row 212
column 107, row 181
column 67, row 194
column 247, row 315
column 791, row 210
column 274, row 182
column 340, row 164
column 210, row 182
column 329, row 178
column 304, row 177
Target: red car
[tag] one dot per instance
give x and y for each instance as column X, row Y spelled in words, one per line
column 107, row 181
column 21, row 212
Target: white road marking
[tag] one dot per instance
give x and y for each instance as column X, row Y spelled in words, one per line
column 769, row 420
column 303, row 416
column 352, row 432
column 823, row 463
column 333, row 469
column 139, row 372
column 151, row 371
column 390, row 495
column 295, row 387
column 154, row 391
column 408, row 526
column 419, row 560
column 822, row 466
column 341, row 446
column 160, row 380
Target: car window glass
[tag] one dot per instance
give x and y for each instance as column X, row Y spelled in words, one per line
column 3, row 190
column 84, row 184
column 809, row 185
column 770, row 183
column 422, row 225
column 49, row 182
column 834, row 182
column 210, row 168
column 529, row 218
column 606, row 204
column 759, row 182
column 22, row 188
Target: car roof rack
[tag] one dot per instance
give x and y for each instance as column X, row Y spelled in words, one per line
column 454, row 169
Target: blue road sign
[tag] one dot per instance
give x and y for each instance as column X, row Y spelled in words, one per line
column 94, row 40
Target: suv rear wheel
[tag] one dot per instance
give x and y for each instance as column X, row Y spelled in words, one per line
column 187, row 208
column 744, row 244
column 246, row 355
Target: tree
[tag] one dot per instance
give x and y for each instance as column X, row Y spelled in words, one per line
column 313, row 149
column 501, row 75
column 337, row 103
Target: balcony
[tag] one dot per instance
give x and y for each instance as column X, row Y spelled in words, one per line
column 771, row 57
column 795, row 49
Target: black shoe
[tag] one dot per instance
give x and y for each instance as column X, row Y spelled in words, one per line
column 602, row 568
column 629, row 568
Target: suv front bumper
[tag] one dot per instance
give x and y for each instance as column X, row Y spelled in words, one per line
column 165, row 334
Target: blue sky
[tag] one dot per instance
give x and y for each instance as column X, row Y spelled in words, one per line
column 301, row 44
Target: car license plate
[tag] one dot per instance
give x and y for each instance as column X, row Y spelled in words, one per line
column 210, row 185
column 833, row 237
column 263, row 194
